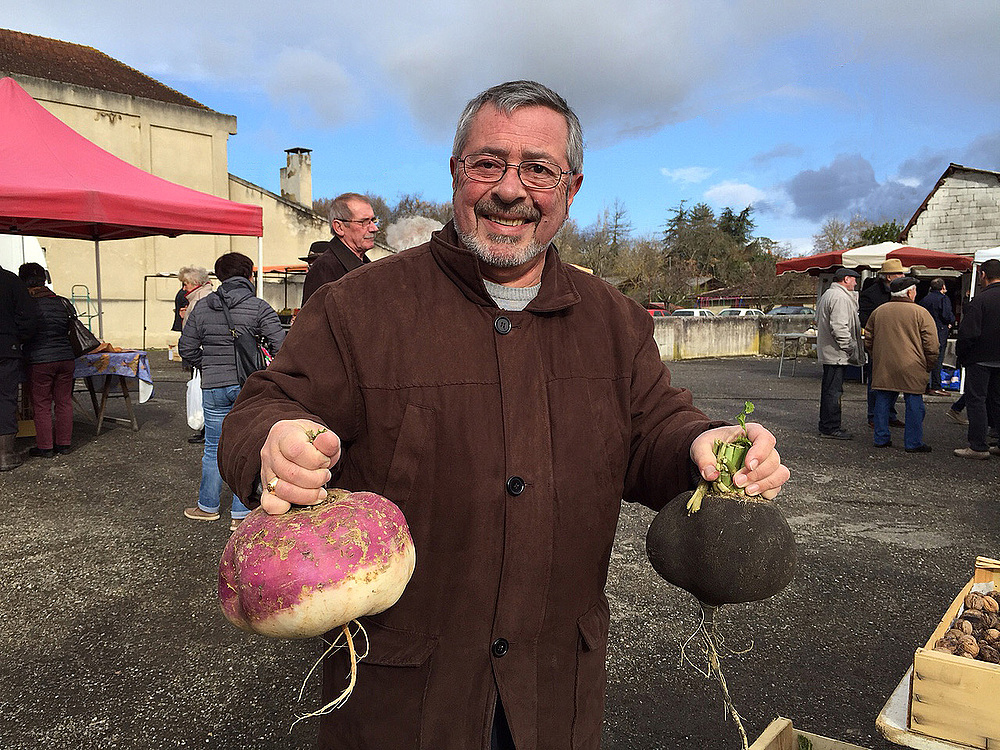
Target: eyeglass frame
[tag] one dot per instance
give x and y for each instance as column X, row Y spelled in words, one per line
column 507, row 165
column 373, row 220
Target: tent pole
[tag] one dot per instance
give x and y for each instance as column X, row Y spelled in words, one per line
column 100, row 298
column 260, row 267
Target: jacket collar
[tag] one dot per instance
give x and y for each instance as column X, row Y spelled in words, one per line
column 557, row 291
column 347, row 257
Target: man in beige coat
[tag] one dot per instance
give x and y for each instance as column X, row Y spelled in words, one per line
column 902, row 339
column 839, row 343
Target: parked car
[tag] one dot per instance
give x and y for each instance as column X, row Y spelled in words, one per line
column 740, row 312
column 792, row 310
column 657, row 312
column 693, row 312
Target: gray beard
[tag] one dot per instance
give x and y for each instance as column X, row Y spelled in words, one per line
column 491, row 258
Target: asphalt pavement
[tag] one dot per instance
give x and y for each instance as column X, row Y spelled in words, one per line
column 113, row 638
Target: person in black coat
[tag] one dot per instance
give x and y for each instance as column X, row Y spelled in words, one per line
column 354, row 224
column 936, row 302
column 18, row 322
column 50, row 366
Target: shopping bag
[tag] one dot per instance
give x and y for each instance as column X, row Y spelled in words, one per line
column 80, row 337
column 195, row 415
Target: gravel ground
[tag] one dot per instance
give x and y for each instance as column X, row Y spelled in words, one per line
column 113, row 638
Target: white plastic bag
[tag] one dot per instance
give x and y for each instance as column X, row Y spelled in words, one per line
column 195, row 415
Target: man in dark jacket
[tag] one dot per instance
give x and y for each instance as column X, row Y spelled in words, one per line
column 509, row 407
column 978, row 350
column 936, row 302
column 872, row 295
column 19, row 319
column 354, row 224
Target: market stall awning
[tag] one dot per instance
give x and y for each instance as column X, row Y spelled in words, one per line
column 56, row 183
column 872, row 256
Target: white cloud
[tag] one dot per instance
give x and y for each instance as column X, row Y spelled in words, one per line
column 688, row 174
column 733, row 194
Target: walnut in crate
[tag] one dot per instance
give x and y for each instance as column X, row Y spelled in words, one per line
column 989, row 653
column 990, row 604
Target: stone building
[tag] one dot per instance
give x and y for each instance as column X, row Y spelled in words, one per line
column 960, row 215
column 165, row 132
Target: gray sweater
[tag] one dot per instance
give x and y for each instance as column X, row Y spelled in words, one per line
column 206, row 342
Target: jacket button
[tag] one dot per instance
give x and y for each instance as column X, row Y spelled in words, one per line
column 500, row 647
column 515, row 486
column 502, row 325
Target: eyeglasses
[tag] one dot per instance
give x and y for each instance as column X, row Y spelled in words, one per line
column 363, row 222
column 537, row 175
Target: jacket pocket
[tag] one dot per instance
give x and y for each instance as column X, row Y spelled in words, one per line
column 386, row 707
column 412, row 455
column 591, row 675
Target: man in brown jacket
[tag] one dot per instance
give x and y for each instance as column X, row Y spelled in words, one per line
column 902, row 338
column 506, row 402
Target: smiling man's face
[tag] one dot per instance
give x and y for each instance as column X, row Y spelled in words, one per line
column 507, row 225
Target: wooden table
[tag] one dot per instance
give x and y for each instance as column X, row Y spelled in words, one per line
column 114, row 368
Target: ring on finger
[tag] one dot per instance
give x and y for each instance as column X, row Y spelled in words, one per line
column 272, row 485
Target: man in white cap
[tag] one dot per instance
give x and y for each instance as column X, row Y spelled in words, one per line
column 839, row 343
column 903, row 341
column 872, row 295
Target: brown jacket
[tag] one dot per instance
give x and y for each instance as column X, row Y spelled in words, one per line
column 903, row 341
column 508, row 439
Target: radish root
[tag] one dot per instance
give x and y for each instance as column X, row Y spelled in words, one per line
column 343, row 640
column 711, row 644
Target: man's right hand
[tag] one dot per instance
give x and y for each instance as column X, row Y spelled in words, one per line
column 299, row 453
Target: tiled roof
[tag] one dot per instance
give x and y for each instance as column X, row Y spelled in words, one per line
column 54, row 60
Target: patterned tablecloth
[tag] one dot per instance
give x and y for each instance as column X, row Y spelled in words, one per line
column 133, row 363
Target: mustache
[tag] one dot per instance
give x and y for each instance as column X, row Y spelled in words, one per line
column 488, row 205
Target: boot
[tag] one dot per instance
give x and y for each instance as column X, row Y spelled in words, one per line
column 9, row 458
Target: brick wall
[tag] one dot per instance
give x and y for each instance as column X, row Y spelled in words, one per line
column 961, row 216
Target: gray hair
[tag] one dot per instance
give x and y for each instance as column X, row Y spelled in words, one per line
column 902, row 292
column 507, row 97
column 339, row 208
column 193, row 275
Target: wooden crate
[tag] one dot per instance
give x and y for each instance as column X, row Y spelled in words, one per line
column 951, row 697
column 781, row 735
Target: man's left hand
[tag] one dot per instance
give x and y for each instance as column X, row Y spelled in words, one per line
column 762, row 473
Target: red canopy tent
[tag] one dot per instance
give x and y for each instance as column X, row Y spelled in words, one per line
column 872, row 256
column 56, row 183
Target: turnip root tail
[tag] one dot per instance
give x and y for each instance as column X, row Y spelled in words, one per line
column 711, row 643
column 343, row 640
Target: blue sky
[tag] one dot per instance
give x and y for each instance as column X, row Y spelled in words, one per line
column 808, row 112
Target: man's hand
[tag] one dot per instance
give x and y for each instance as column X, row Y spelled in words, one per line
column 762, row 473
column 295, row 463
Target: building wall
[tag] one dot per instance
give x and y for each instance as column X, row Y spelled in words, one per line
column 961, row 216
column 186, row 145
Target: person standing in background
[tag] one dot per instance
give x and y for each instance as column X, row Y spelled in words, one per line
column 195, row 285
column 207, row 343
column 19, row 320
column 978, row 350
column 936, row 302
column 50, row 366
column 872, row 295
column 354, row 224
column 902, row 339
column 839, row 343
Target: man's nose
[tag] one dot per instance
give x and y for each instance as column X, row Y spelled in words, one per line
column 510, row 188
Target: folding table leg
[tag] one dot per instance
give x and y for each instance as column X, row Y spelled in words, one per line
column 128, row 402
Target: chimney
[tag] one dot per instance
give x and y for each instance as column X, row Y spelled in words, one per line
column 296, row 178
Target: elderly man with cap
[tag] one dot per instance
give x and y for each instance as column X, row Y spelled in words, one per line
column 839, row 343
column 872, row 295
column 903, row 341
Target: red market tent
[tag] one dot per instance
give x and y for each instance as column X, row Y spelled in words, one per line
column 872, row 256
column 56, row 183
